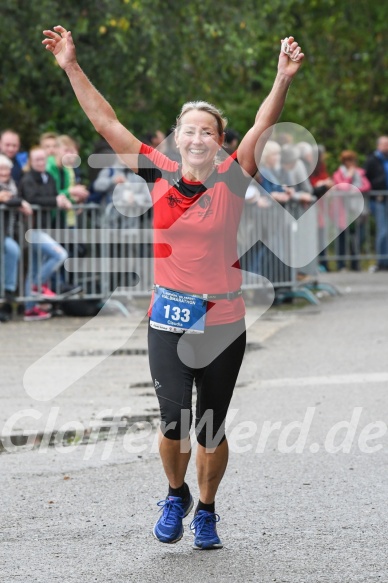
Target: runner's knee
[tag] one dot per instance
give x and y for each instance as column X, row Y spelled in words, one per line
column 176, row 423
column 210, row 429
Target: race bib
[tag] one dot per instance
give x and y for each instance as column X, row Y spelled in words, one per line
column 177, row 311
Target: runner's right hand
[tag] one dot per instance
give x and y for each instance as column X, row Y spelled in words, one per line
column 60, row 44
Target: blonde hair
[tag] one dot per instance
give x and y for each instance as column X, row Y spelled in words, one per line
column 271, row 147
column 67, row 142
column 48, row 136
column 5, row 161
column 208, row 108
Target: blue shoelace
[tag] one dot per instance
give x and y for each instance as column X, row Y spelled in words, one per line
column 204, row 525
column 172, row 509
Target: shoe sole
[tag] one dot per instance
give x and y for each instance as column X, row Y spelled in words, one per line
column 171, row 542
column 72, row 292
column 168, row 542
column 216, row 546
column 35, row 319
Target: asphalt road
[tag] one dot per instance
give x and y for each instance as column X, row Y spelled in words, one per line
column 305, row 495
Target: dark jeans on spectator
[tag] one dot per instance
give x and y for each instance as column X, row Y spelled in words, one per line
column 379, row 209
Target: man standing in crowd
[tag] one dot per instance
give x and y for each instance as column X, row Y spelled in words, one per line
column 376, row 170
column 10, row 146
column 49, row 142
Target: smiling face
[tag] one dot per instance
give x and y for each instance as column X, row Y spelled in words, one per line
column 198, row 139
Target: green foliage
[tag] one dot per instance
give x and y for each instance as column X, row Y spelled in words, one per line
column 149, row 56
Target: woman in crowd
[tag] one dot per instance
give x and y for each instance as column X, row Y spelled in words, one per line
column 349, row 175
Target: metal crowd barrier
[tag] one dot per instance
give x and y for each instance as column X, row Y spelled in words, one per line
column 73, row 231
column 364, row 241
column 108, row 251
column 129, row 242
column 272, row 244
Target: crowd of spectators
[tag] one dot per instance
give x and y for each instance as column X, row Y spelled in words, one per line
column 48, row 176
column 289, row 172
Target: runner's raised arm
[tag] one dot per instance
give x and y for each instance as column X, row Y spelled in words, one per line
column 252, row 145
column 60, row 43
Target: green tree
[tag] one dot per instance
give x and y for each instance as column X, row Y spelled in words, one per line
column 148, row 57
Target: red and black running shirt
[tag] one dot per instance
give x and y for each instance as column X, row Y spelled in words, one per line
column 195, row 230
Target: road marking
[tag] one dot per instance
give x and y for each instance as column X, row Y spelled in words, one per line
column 346, row 379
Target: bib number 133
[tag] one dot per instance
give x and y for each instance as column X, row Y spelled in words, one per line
column 176, row 313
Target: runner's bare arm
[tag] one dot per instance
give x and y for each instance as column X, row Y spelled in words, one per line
column 252, row 145
column 60, row 43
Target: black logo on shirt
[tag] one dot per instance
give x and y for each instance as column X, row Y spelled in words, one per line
column 173, row 200
column 204, row 201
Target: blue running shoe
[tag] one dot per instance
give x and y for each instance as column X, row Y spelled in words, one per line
column 205, row 531
column 169, row 527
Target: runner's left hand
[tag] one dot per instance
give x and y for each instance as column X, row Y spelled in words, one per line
column 289, row 64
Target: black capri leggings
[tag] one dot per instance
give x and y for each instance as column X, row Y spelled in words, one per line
column 215, row 382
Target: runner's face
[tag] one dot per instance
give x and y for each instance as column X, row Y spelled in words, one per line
column 197, row 138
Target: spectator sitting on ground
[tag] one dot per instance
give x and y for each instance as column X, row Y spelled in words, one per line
column 376, row 169
column 10, row 146
column 9, row 197
column 38, row 187
column 49, row 142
